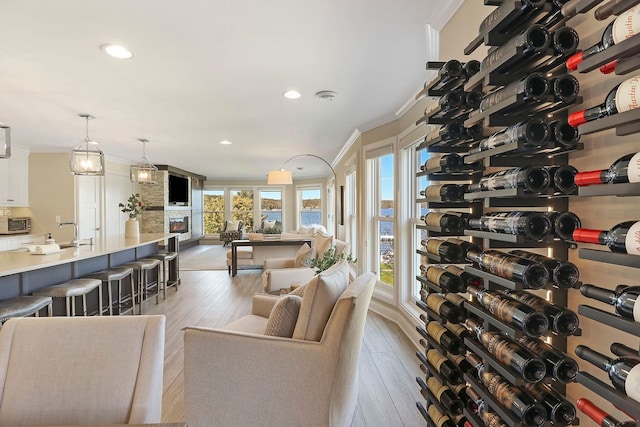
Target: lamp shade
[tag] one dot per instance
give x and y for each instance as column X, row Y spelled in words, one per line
column 143, row 172
column 280, row 177
column 86, row 159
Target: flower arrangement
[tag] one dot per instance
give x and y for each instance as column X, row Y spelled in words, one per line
column 133, row 207
column 328, row 259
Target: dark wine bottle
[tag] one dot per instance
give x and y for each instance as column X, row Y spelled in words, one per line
column 563, row 224
column 533, row 179
column 532, row 88
column 464, row 245
column 529, row 366
column 563, row 179
column 622, row 350
column 624, row 237
column 445, row 338
column 599, row 416
column 532, row 225
column 625, row 302
column 445, row 396
column 448, row 221
column 459, row 330
column 622, row 98
column 562, row 321
column 534, row 133
column 489, row 418
column 496, row 19
column 509, row 310
column 459, row 360
column 449, row 282
column 444, row 367
column 533, row 40
column 451, row 101
column 448, row 75
column 472, row 99
column 468, row 279
column 471, row 67
column 447, row 250
column 474, row 132
column 559, row 410
column 624, row 26
column 564, row 274
column 444, row 192
column 521, row 403
column 624, row 170
column 451, row 131
column 447, row 163
column 476, row 362
column 459, row 301
column 438, row 418
column 624, row 372
column 530, row 273
column 564, row 135
column 564, row 88
column 564, row 42
column 559, row 365
column 443, row 308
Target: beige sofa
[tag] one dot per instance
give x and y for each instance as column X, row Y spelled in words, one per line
column 237, row 376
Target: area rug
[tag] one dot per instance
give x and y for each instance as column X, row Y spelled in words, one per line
column 212, row 258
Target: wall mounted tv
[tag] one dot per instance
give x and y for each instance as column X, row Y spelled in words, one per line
column 178, row 190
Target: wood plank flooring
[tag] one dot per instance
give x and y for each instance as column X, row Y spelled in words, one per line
column 388, row 365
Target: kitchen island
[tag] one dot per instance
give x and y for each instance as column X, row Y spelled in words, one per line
column 21, row 272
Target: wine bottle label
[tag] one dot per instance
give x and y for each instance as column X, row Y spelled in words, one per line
column 501, row 390
column 436, row 359
column 533, row 345
column 433, row 219
column 502, row 308
column 530, row 300
column 433, row 246
column 454, row 269
column 437, row 417
column 433, row 162
column 457, row 389
column 456, row 299
column 632, row 383
column 632, row 241
column 436, row 387
column 501, row 266
column 496, row 345
column 435, row 301
column 627, row 94
column 492, row 419
column 633, row 170
column 432, row 135
column 433, row 191
column 436, row 330
column 457, row 329
column 504, row 179
column 626, row 25
column 434, row 274
column 499, row 138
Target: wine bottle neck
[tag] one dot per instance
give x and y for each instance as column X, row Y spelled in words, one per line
column 600, row 294
column 592, row 177
column 595, row 358
column 585, row 235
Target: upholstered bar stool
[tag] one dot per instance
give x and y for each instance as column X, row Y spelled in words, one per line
column 164, row 258
column 116, row 274
column 71, row 289
column 24, row 306
column 142, row 268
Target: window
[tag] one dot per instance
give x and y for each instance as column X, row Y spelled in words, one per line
column 271, row 205
column 309, row 206
column 242, row 207
column 350, row 213
column 421, row 209
column 213, row 211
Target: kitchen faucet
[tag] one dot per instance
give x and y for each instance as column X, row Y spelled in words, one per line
column 75, row 242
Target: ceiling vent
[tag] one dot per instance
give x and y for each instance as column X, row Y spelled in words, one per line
column 326, row 95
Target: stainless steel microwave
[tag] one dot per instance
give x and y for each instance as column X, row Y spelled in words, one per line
column 15, row 225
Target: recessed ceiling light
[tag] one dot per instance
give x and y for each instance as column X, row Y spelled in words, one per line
column 326, row 95
column 292, row 94
column 225, row 142
column 117, row 51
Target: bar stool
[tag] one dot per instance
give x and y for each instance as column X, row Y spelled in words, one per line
column 143, row 267
column 164, row 258
column 24, row 306
column 116, row 274
column 71, row 289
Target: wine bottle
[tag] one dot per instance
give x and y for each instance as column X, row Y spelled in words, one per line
column 496, row 19
column 559, row 410
column 564, row 135
column 564, row 42
column 472, row 99
column 624, row 26
column 532, row 225
column 599, row 416
column 563, row 179
column 444, row 192
column 445, row 338
column 533, row 40
column 449, row 282
column 622, row 98
column 624, row 237
column 447, row 163
column 445, row 396
column 459, row 301
column 439, row 419
column 447, row 250
column 489, row 418
column 533, row 179
column 467, row 279
column 509, row 310
column 530, row 273
column 622, row 350
column 625, row 302
column 624, row 170
column 534, row 133
column 451, row 131
column 459, row 330
column 529, row 366
column 458, row 359
column 443, row 308
column 447, row 221
column 559, row 365
column 562, row 321
column 563, row 224
column 474, row 132
column 524, row 406
column 448, row 75
column 464, row 245
column 476, row 362
column 624, row 372
column 471, row 67
column 451, row 101
column 563, row 274
column 564, row 88
column 444, row 366
column 532, row 88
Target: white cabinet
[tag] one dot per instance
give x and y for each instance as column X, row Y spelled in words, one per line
column 14, row 174
column 17, row 242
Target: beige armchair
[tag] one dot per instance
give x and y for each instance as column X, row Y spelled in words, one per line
column 237, row 376
column 81, row 370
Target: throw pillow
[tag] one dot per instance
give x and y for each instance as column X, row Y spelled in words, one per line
column 320, row 295
column 283, row 316
column 232, row 226
column 304, row 253
column 322, row 244
column 268, row 224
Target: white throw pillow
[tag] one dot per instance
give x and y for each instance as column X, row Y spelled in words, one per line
column 322, row 244
column 283, row 316
column 304, row 253
column 268, row 224
column 232, row 226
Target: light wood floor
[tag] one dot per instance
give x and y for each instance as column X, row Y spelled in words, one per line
column 388, row 365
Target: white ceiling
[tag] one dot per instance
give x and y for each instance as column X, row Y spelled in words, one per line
column 208, row 70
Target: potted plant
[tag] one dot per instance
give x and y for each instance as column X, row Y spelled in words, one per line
column 133, row 207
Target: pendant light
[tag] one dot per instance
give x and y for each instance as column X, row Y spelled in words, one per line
column 143, row 172
column 86, row 158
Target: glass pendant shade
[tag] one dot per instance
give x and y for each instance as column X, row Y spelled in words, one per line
column 143, row 172
column 86, row 158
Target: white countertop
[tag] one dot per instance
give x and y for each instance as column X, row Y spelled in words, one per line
column 20, row 261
